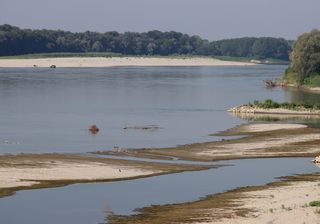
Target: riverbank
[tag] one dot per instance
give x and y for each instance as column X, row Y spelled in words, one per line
column 284, row 201
column 90, row 62
column 22, row 172
column 261, row 140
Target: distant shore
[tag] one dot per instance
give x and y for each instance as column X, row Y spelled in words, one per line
column 96, row 62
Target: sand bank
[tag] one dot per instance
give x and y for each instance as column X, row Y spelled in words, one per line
column 277, row 205
column 251, row 128
column 35, row 171
column 83, row 62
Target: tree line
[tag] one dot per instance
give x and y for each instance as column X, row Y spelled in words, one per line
column 16, row 41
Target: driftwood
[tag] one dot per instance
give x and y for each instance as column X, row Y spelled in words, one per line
column 143, row 127
column 270, row 83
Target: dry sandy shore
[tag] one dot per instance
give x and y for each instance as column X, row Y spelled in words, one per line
column 35, row 171
column 115, row 62
column 251, row 128
column 278, row 205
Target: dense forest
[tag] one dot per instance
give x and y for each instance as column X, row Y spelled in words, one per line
column 305, row 60
column 16, row 41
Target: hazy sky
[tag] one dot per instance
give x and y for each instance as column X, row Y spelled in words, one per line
column 212, row 19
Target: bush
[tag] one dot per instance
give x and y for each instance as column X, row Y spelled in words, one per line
column 315, row 204
column 269, row 104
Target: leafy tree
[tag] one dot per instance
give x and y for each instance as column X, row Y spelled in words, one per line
column 305, row 57
column 97, row 46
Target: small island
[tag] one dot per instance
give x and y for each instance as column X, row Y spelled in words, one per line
column 271, row 107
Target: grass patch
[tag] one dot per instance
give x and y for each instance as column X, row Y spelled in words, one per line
column 98, row 54
column 313, row 80
column 315, row 204
column 270, row 104
column 291, row 77
column 63, row 55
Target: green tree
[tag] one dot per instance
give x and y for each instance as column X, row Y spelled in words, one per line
column 97, row 46
column 305, row 57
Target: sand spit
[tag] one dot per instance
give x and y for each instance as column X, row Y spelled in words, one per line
column 252, row 128
column 18, row 171
column 251, row 148
column 87, row 62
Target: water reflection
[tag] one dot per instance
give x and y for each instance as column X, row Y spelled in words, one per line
column 278, row 117
column 302, row 96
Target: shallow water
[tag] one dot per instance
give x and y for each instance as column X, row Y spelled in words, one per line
column 88, row 203
column 45, row 110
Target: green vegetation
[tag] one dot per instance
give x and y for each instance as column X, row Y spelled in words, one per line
column 253, row 48
column 63, row 55
column 269, row 104
column 16, row 41
column 315, row 204
column 305, row 61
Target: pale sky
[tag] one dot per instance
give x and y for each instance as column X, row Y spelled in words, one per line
column 211, row 19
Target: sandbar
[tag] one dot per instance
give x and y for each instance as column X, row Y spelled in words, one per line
column 96, row 62
column 32, row 171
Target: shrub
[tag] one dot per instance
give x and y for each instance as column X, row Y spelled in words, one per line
column 315, row 204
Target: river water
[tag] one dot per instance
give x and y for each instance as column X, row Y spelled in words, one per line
column 49, row 110
column 45, row 110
